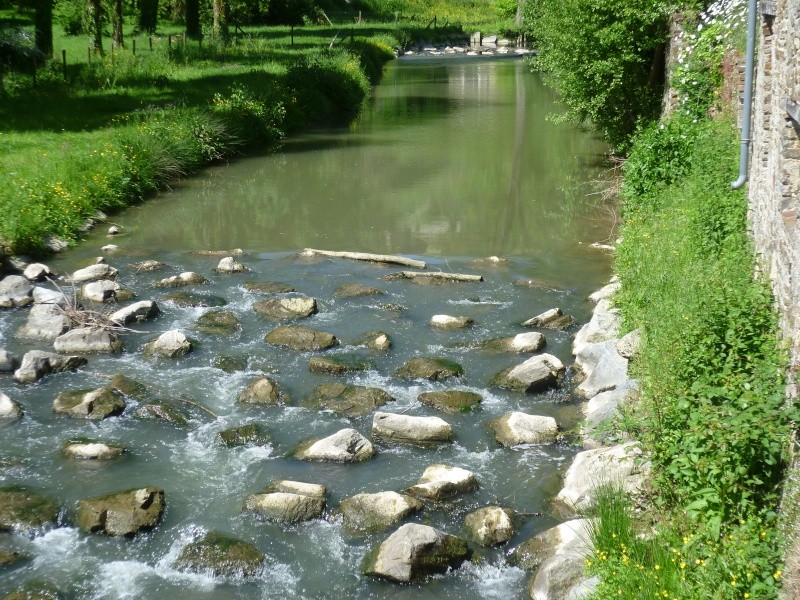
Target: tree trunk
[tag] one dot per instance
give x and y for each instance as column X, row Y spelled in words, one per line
column 193, row 18
column 43, row 24
column 148, row 15
column 520, row 13
column 221, row 17
column 117, row 24
column 95, row 14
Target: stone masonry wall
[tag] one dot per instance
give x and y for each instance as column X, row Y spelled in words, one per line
column 774, row 187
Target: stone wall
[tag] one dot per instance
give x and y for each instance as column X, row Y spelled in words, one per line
column 774, row 188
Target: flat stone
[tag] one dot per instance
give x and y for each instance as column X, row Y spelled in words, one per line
column 517, row 428
column 263, row 390
column 45, row 323
column 491, row 525
column 451, row 401
column 229, row 265
column 406, row 429
column 93, row 404
column 356, row 290
column 94, row 340
column 42, row 295
column 602, row 327
column 435, row 369
column 147, row 265
column 535, row 374
column 288, row 502
column 376, row 340
column 218, row 322
column 301, row 338
column 268, row 287
column 182, row 279
column 347, row 400
column 252, row 434
column 122, row 513
column 282, row 309
column 605, row 292
column 92, row 451
column 441, row 482
column 172, row 344
column 9, row 409
column 550, row 319
column 94, row 273
column 521, row 343
column 369, row 513
column 37, row 364
column 220, row 555
column 611, row 372
column 414, row 552
column 138, row 312
column 103, row 290
column 450, row 322
column 338, row 364
column 23, row 510
column 37, row 272
column 346, row 445
column 191, row 300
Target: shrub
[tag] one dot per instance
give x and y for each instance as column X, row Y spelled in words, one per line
column 252, row 120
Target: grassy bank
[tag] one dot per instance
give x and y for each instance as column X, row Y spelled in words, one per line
column 127, row 124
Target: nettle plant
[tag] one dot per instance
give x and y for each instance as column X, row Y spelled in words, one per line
column 698, row 76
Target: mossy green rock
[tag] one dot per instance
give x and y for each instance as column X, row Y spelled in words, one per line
column 301, row 338
column 129, row 387
column 268, row 287
column 90, row 404
column 356, row 290
column 21, row 509
column 336, row 365
column 264, row 390
column 162, row 410
column 34, row 590
column 218, row 322
column 435, row 369
column 221, row 555
column 252, row 434
column 230, row 364
column 190, row 300
column 451, row 401
column 347, row 400
column 123, row 513
column 10, row 559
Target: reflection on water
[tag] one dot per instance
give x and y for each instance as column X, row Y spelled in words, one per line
column 450, row 163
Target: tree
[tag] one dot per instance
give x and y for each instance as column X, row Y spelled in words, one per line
column 43, row 27
column 148, row 15
column 95, row 21
column 193, row 29
column 116, row 21
column 221, row 18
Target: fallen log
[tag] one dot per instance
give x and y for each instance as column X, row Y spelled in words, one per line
column 435, row 275
column 366, row 256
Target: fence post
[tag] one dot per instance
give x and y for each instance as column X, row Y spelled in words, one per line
column 134, row 46
column 33, row 62
column 150, row 40
column 169, row 41
column 64, row 64
column 292, row 33
column 434, row 22
column 89, row 56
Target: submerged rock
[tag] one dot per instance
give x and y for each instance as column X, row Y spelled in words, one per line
column 491, row 525
column 441, row 482
column 88, row 340
column 347, row 400
column 376, row 340
column 356, row 290
column 268, row 287
column 122, row 513
column 218, row 322
column 137, row 312
column 346, row 445
column 86, row 450
column 190, row 300
column 219, row 554
column 450, row 322
column 229, row 265
column 406, row 429
column 288, row 502
column 37, row 364
column 338, row 364
column 369, row 513
column 8, row 408
column 230, row 364
column 93, row 404
column 45, row 322
column 162, row 410
column 10, row 558
column 301, row 338
column 21, row 509
column 435, row 369
column 147, row 265
column 172, row 344
column 516, row 428
column 451, row 401
column 94, row 273
column 252, row 434
column 263, row 390
column 414, row 552
column 550, row 319
column 183, row 279
column 284, row 309
column 535, row 374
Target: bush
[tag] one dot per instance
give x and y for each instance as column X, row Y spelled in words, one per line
column 252, row 120
column 373, row 54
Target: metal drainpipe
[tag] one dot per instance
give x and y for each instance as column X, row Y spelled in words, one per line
column 744, row 152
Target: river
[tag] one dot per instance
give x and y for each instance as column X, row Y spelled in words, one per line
column 451, row 161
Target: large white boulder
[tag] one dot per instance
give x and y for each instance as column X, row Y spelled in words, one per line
column 516, row 428
column 391, row 427
column 346, row 445
column 440, row 482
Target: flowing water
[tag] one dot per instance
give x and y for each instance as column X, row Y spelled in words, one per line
column 451, row 162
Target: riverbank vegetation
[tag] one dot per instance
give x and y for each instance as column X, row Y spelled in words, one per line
column 712, row 415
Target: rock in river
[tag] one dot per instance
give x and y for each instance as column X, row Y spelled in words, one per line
column 338, row 364
column 229, row 265
column 45, row 322
column 549, row 319
column 96, row 340
column 252, row 434
column 86, row 450
column 516, row 428
column 144, row 310
column 450, row 322
column 263, row 390
column 123, row 513
column 220, row 554
column 104, row 290
column 451, row 401
column 94, row 404
column 440, row 482
column 301, row 338
column 436, row 369
column 346, row 445
column 356, row 290
column 521, row 343
column 491, row 525
column 535, row 374
column 172, row 344
column 369, row 513
column 405, row 429
column 218, row 322
column 185, row 278
column 415, row 551
column 283, row 309
column 36, row 364
column 8, row 408
column 288, row 501
column 94, row 273
column 376, row 340
column 15, row 292
column 22, row 510
column 347, row 400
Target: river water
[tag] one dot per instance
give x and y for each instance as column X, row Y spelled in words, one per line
column 451, row 162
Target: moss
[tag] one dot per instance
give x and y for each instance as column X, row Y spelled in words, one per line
column 436, row 369
column 222, row 555
column 192, row 300
column 23, row 509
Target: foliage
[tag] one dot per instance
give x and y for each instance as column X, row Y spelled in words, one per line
column 17, row 50
column 373, row 54
column 258, row 122
column 71, row 15
column 605, row 59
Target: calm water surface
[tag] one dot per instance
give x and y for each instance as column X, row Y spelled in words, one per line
column 451, row 162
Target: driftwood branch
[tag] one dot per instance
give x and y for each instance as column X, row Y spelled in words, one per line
column 436, row 275
column 366, row 256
